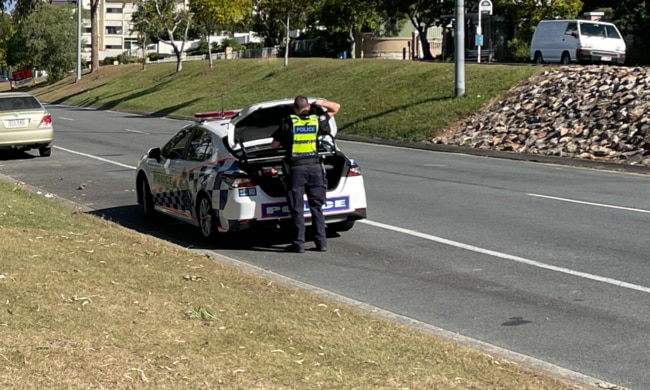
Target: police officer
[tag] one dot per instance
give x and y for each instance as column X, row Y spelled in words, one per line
column 298, row 133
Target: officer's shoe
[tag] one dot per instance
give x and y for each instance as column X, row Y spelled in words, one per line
column 320, row 248
column 294, row 248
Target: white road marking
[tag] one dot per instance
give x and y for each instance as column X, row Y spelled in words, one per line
column 591, row 203
column 435, row 165
column 66, row 119
column 135, row 131
column 445, row 241
column 506, row 256
column 94, row 157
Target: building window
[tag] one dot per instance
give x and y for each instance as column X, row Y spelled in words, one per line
column 113, row 10
column 113, row 47
column 129, row 43
column 114, row 30
column 88, row 30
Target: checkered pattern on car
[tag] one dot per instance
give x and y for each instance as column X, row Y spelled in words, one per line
column 206, row 178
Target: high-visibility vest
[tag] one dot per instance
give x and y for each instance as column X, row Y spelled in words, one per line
column 305, row 136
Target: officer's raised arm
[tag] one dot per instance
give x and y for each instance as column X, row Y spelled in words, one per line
column 331, row 107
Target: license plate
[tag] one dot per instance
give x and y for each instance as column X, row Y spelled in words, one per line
column 606, row 58
column 16, row 122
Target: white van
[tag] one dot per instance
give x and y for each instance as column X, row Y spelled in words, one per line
column 583, row 41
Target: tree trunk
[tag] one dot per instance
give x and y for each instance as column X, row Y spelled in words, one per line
column 94, row 35
column 207, row 38
column 422, row 32
column 286, row 50
column 353, row 42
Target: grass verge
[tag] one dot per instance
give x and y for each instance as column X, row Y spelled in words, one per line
column 399, row 100
column 90, row 304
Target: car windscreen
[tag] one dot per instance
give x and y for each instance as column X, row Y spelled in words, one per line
column 17, row 103
column 598, row 30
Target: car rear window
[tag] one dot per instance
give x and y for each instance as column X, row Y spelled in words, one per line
column 19, row 103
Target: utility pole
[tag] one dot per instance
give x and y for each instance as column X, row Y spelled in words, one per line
column 459, row 57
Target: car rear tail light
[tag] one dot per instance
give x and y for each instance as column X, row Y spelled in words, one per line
column 237, row 180
column 354, row 170
column 46, row 121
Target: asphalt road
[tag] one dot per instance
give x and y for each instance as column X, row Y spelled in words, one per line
column 548, row 261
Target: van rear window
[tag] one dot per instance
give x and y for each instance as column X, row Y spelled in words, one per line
column 19, row 103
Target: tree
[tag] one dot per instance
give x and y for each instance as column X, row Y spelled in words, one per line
column 272, row 15
column 94, row 35
column 209, row 14
column 7, row 30
column 526, row 14
column 165, row 22
column 21, row 8
column 350, row 17
column 423, row 14
column 46, row 40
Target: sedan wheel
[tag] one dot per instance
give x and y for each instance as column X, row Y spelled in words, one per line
column 206, row 218
column 147, row 198
column 45, row 151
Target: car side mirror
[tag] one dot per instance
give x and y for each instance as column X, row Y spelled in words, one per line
column 154, row 153
column 574, row 34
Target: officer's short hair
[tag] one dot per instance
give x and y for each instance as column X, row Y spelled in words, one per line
column 300, row 103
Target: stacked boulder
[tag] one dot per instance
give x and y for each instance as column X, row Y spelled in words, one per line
column 587, row 112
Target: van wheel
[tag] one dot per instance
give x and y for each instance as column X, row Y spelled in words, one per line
column 566, row 59
column 539, row 60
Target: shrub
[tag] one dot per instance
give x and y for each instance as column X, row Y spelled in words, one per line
column 518, row 50
column 108, row 61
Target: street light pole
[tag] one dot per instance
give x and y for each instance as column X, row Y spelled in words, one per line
column 460, row 48
column 79, row 39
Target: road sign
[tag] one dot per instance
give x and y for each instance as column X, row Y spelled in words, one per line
column 479, row 40
column 485, row 7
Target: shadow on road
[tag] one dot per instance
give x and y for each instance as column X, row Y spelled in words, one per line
column 262, row 239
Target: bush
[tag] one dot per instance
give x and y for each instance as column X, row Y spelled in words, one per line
column 518, row 50
column 108, row 61
column 157, row 56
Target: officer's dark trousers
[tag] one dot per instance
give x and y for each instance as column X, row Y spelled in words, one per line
column 307, row 179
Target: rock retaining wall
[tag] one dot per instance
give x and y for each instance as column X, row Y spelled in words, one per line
column 587, row 112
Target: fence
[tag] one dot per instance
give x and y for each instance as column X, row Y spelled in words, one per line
column 264, row 52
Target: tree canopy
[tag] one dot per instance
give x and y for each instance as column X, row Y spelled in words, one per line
column 45, row 39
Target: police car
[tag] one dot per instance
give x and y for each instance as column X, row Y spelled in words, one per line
column 221, row 174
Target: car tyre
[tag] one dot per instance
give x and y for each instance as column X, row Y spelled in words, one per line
column 147, row 197
column 566, row 59
column 206, row 218
column 341, row 226
column 45, row 151
column 539, row 60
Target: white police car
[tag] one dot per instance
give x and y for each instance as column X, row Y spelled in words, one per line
column 221, row 174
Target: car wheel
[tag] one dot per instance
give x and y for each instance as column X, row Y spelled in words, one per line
column 341, row 226
column 146, row 196
column 45, row 151
column 206, row 218
column 539, row 60
column 566, row 59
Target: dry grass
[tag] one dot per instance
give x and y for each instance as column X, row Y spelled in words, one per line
column 90, row 304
